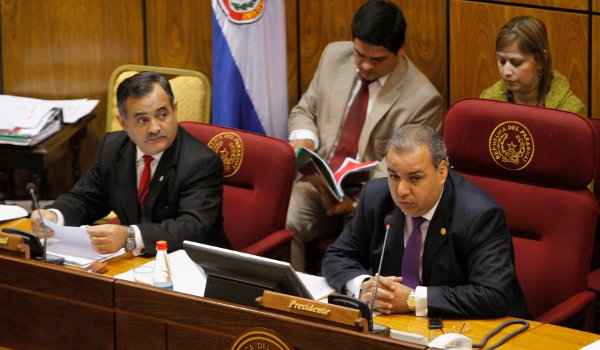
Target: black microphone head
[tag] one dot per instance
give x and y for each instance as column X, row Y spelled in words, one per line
column 387, row 221
column 31, row 187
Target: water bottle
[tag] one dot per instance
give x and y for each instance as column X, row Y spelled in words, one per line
column 161, row 277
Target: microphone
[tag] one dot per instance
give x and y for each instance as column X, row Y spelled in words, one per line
column 31, row 188
column 387, row 223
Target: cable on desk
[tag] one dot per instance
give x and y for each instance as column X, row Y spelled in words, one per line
column 506, row 337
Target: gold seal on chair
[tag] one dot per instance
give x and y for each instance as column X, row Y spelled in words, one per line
column 230, row 147
column 511, row 145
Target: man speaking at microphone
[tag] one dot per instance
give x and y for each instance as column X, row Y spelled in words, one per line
column 449, row 252
column 160, row 181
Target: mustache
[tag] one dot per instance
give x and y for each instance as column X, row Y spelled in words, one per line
column 156, row 136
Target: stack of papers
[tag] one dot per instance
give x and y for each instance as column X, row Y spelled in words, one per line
column 74, row 245
column 28, row 121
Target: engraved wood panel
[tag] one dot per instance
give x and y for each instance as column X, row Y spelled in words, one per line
column 67, row 49
column 472, row 46
column 179, row 35
column 565, row 4
column 595, row 109
column 327, row 21
column 195, row 321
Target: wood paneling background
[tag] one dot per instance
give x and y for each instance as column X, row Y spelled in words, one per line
column 68, row 48
column 595, row 76
column 563, row 4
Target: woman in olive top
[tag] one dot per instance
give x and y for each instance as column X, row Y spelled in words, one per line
column 525, row 66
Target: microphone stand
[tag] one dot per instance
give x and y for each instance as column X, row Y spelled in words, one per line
column 36, row 205
column 387, row 230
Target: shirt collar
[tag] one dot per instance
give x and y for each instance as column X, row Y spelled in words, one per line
column 429, row 214
column 381, row 80
column 139, row 155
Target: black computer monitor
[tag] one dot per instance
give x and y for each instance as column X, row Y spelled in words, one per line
column 240, row 277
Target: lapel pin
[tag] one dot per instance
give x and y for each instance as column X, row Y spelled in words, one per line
column 161, row 178
column 443, row 231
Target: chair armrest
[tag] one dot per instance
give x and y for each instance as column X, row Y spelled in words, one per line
column 593, row 280
column 568, row 308
column 269, row 243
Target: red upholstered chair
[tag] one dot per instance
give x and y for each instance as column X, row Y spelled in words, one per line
column 536, row 163
column 259, row 172
column 594, row 277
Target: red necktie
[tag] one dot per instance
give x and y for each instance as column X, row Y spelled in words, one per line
column 348, row 143
column 144, row 186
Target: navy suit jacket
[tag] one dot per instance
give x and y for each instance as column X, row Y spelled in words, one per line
column 469, row 271
column 184, row 202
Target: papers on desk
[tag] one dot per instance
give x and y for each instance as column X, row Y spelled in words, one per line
column 593, row 346
column 11, row 212
column 28, row 121
column 190, row 278
column 73, row 244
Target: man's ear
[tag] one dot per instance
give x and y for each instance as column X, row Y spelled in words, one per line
column 121, row 121
column 443, row 170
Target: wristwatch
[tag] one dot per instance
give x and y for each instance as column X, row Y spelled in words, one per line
column 410, row 301
column 130, row 240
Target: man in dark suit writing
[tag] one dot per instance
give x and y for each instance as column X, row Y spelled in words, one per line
column 161, row 182
column 448, row 249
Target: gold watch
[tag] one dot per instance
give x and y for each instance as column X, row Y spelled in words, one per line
column 410, row 301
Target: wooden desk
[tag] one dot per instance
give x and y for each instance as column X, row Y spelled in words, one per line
column 36, row 158
column 474, row 329
column 46, row 306
column 538, row 336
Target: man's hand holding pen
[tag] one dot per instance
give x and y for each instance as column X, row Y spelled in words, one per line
column 385, row 294
column 38, row 226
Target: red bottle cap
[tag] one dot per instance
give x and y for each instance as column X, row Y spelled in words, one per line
column 161, row 245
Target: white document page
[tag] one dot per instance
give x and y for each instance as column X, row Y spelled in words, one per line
column 11, row 212
column 73, row 110
column 187, row 277
column 316, row 285
column 73, row 244
column 190, row 278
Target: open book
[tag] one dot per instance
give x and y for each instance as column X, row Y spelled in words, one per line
column 347, row 180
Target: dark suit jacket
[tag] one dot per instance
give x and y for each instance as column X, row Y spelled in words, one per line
column 469, row 271
column 185, row 199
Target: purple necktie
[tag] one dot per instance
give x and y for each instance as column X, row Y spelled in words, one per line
column 412, row 254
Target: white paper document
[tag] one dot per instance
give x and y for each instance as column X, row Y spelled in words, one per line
column 73, row 244
column 11, row 212
column 593, row 346
column 187, row 277
column 190, row 278
column 28, row 113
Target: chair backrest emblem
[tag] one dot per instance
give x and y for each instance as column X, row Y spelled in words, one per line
column 511, row 145
column 230, row 147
